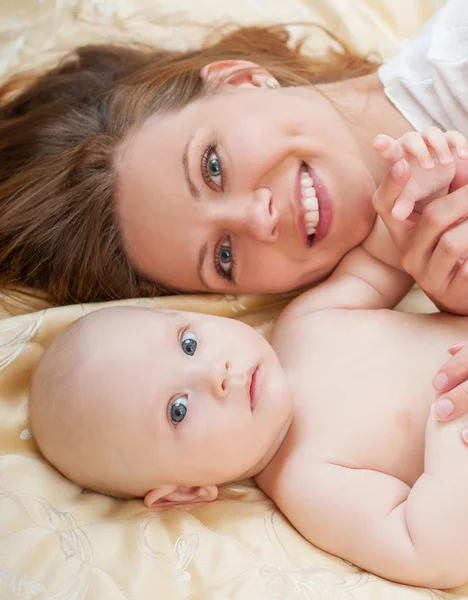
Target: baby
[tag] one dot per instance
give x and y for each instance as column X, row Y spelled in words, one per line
column 334, row 425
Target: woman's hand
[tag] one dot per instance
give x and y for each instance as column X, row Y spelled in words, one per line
column 451, row 383
column 433, row 245
column 433, row 248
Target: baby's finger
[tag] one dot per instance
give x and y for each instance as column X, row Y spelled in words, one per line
column 414, row 144
column 459, row 142
column 388, row 148
column 437, row 140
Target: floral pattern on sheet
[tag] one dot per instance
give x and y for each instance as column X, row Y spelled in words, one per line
column 175, row 565
column 43, row 520
column 20, row 586
column 14, row 337
column 54, row 547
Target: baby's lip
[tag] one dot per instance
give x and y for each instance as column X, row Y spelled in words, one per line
column 253, row 384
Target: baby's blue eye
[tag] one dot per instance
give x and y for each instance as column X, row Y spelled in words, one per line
column 214, row 166
column 178, row 409
column 189, row 343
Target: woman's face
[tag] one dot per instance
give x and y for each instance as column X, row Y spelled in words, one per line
column 212, row 198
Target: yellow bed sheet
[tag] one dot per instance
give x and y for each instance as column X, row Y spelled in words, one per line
column 59, row 542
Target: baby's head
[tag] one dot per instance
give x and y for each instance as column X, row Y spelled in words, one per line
column 162, row 405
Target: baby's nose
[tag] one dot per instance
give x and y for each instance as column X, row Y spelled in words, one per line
column 218, row 377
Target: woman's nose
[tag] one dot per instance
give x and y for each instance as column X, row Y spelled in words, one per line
column 255, row 214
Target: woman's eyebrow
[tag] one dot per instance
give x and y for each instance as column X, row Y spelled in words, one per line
column 185, row 163
column 200, row 262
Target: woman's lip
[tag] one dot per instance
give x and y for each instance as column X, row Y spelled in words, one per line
column 325, row 207
column 301, row 226
column 254, row 387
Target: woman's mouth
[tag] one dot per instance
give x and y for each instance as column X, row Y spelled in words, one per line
column 314, row 207
column 254, row 388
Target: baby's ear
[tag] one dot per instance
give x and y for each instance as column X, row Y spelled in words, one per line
column 179, row 494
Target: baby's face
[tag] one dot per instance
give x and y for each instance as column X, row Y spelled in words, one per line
column 193, row 399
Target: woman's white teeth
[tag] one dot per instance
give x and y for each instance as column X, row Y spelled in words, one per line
column 310, row 203
column 312, row 217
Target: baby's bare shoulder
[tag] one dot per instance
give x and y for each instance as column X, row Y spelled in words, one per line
column 301, row 336
column 295, row 324
column 296, row 321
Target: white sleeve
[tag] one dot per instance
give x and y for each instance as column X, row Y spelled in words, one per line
column 427, row 80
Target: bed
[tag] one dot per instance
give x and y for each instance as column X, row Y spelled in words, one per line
column 60, row 542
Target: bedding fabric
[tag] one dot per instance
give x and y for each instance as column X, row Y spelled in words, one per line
column 428, row 80
column 60, row 542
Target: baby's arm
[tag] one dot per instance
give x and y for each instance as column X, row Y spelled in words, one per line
column 415, row 536
column 361, row 281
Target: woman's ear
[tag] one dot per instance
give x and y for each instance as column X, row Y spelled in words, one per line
column 239, row 73
column 179, row 494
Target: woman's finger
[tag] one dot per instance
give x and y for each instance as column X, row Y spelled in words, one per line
column 453, row 373
column 387, row 194
column 457, row 347
column 436, row 219
column 404, row 205
column 452, row 405
column 448, row 255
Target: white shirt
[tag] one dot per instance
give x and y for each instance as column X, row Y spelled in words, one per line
column 428, row 79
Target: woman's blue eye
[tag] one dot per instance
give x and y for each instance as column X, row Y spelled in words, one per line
column 212, row 168
column 224, row 259
column 189, row 343
column 178, row 409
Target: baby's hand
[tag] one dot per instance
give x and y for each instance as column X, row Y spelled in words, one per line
column 430, row 157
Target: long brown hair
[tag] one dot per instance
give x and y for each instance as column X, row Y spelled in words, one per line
column 59, row 135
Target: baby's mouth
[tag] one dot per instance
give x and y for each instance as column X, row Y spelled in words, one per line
column 254, row 388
